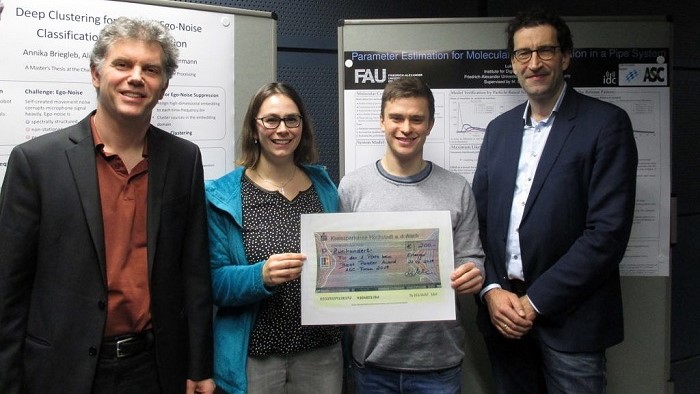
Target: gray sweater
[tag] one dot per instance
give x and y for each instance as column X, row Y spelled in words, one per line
column 421, row 346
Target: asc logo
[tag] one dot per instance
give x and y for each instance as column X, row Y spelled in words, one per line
column 655, row 74
column 643, row 74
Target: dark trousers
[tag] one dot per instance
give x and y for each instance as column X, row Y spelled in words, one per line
column 128, row 375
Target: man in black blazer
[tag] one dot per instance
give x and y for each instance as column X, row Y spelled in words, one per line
column 555, row 191
column 104, row 265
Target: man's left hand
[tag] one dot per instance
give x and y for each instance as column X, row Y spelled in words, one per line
column 530, row 312
column 206, row 386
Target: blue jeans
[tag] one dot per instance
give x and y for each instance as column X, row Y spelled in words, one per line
column 370, row 380
column 527, row 365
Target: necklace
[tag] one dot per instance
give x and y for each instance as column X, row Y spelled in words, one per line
column 280, row 188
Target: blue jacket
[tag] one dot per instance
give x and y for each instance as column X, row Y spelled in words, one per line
column 576, row 222
column 237, row 284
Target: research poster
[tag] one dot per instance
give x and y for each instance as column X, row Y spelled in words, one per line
column 471, row 87
column 45, row 80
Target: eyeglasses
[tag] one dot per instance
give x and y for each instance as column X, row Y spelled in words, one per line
column 273, row 122
column 544, row 53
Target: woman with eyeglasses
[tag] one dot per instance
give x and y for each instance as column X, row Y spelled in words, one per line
column 254, row 230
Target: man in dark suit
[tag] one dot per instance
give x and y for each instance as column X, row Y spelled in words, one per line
column 555, row 191
column 104, row 271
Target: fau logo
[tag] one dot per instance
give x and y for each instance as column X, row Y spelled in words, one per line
column 366, row 75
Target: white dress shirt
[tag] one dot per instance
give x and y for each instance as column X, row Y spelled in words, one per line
column 535, row 136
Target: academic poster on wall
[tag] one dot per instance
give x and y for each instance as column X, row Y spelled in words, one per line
column 45, row 80
column 471, row 87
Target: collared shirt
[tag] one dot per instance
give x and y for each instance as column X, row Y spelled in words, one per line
column 123, row 196
column 535, row 136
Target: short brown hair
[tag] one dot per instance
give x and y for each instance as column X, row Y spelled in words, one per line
column 408, row 87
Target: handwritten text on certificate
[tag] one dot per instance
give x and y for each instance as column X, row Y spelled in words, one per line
column 377, row 267
column 377, row 260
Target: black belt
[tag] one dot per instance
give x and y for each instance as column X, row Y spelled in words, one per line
column 126, row 345
column 518, row 287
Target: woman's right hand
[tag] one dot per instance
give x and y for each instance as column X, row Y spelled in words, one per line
column 283, row 267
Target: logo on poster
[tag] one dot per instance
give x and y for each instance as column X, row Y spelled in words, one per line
column 610, row 78
column 654, row 74
column 643, row 75
column 366, row 75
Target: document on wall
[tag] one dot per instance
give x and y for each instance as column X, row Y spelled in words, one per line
column 377, row 267
column 45, row 80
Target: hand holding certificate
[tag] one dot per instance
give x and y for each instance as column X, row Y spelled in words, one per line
column 377, row 267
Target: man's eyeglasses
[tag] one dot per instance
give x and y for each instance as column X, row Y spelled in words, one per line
column 544, row 53
column 273, row 122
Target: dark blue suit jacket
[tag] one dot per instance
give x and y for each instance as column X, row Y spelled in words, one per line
column 576, row 223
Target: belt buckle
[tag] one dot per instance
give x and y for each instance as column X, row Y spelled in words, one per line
column 123, row 342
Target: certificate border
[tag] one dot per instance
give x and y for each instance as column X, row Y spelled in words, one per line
column 390, row 306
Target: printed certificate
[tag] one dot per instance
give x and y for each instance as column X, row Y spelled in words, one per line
column 377, row 267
